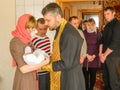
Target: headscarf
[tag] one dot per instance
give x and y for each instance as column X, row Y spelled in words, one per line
column 20, row 31
column 91, row 31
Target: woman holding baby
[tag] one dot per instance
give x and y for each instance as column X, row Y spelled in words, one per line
column 24, row 76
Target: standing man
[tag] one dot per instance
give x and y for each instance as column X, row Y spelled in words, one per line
column 75, row 22
column 110, row 47
column 65, row 68
column 40, row 39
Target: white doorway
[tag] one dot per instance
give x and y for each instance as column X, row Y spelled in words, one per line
column 94, row 16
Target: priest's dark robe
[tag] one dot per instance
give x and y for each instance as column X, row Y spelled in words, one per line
column 71, row 70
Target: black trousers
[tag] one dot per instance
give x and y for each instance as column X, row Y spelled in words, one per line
column 90, row 77
column 105, row 76
column 44, row 80
column 112, row 63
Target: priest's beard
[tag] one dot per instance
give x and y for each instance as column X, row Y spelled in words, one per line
column 54, row 26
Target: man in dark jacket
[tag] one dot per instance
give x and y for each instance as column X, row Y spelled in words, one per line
column 110, row 48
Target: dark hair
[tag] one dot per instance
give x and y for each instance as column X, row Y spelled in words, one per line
column 109, row 8
column 41, row 20
column 52, row 7
column 72, row 17
column 84, row 21
column 91, row 20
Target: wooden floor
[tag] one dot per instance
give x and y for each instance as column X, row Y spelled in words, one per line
column 99, row 85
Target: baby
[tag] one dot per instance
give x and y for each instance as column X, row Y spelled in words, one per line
column 33, row 58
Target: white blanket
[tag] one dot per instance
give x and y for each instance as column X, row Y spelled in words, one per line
column 33, row 58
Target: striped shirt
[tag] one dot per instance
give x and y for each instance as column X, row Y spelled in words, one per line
column 42, row 43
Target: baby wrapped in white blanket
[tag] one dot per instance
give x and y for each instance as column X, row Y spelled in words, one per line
column 34, row 58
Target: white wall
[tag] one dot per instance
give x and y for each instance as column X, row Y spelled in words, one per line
column 33, row 7
column 7, row 24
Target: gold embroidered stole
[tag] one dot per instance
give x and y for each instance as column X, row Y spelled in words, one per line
column 55, row 56
column 55, row 76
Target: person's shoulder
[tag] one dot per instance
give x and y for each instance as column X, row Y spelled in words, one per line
column 85, row 31
column 70, row 29
column 47, row 37
column 80, row 31
column 70, row 32
column 14, row 40
column 116, row 23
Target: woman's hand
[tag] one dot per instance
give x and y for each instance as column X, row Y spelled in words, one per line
column 90, row 57
column 46, row 61
column 28, row 68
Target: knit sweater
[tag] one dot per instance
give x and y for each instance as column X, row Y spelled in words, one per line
column 42, row 43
